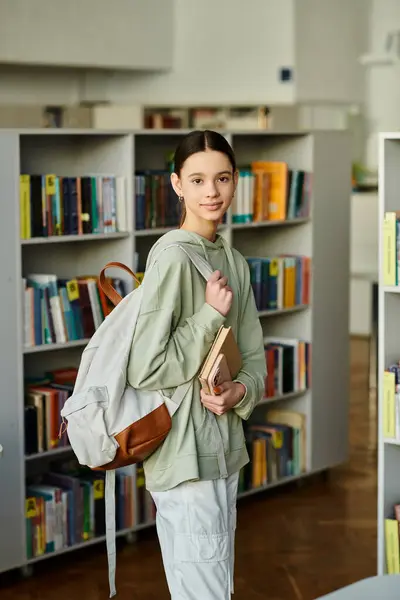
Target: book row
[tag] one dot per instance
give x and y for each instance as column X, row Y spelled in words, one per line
column 271, row 191
column 51, row 205
column 280, row 281
column 44, row 399
column 391, row 402
column 276, row 443
column 156, row 203
column 61, row 310
column 392, row 541
column 66, row 506
column 288, row 366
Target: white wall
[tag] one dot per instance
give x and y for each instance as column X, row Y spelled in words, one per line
column 330, row 36
column 213, row 43
column 33, row 85
column 87, row 33
column 383, row 83
column 226, row 51
column 363, row 260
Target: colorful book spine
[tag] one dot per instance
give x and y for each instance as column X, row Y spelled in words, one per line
column 271, row 191
column 280, row 282
column 66, row 507
column 276, row 443
column 156, row 203
column 51, row 205
column 62, row 310
column 288, row 364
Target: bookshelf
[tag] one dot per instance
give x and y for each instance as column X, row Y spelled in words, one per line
column 388, row 357
column 321, row 322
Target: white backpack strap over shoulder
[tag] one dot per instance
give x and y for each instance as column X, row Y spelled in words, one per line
column 199, row 262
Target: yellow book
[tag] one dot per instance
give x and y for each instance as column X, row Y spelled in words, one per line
column 24, row 205
column 257, row 464
column 389, row 252
column 278, row 186
column 286, row 286
column 392, row 546
column 302, row 366
column 389, row 407
column 290, row 283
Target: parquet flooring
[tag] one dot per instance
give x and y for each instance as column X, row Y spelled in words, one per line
column 296, row 543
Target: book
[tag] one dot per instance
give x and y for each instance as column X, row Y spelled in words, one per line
column 392, row 546
column 219, row 373
column 226, row 345
column 391, row 248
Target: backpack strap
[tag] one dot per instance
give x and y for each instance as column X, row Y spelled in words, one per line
column 106, row 286
column 110, row 529
column 199, row 262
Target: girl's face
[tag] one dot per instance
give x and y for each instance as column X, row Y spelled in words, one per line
column 207, row 185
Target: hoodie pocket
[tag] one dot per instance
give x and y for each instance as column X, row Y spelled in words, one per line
column 205, row 437
column 235, row 432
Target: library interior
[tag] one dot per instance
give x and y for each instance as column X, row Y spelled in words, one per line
column 309, row 110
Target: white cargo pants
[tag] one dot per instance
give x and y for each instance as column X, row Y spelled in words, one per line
column 196, row 523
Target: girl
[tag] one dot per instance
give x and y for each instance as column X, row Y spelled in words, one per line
column 193, row 476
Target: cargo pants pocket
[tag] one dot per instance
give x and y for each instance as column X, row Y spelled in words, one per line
column 202, row 567
column 201, row 548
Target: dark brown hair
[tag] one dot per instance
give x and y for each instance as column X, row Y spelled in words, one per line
column 199, row 141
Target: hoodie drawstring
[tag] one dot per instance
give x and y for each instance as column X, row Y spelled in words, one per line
column 232, row 264
column 205, row 251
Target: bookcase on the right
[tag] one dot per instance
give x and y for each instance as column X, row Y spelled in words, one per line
column 389, row 356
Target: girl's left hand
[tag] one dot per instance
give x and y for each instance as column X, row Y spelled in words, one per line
column 229, row 394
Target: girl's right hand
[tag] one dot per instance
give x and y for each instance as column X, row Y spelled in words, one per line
column 218, row 294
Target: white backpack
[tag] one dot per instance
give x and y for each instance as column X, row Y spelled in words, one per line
column 109, row 423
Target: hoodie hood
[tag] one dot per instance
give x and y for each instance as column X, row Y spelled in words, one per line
column 207, row 249
column 204, row 246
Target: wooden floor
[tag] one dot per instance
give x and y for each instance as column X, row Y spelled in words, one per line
column 296, row 543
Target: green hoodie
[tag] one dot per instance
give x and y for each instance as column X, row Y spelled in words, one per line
column 174, row 332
